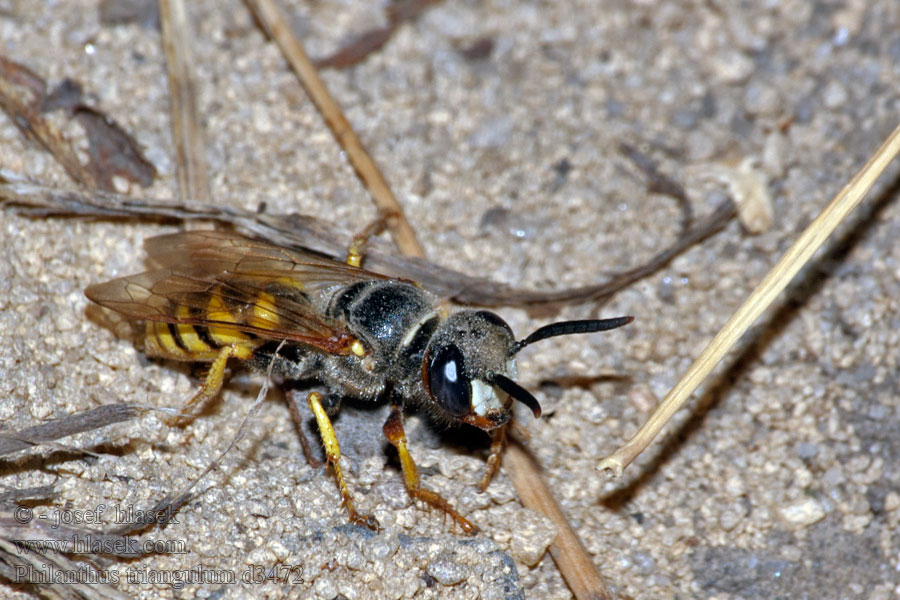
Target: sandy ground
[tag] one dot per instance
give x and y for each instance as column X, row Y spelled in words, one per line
column 784, row 482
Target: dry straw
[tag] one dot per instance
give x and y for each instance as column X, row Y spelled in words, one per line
column 762, row 297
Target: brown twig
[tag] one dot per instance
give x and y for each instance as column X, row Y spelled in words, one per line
column 277, row 27
column 317, row 235
column 193, row 180
column 568, row 552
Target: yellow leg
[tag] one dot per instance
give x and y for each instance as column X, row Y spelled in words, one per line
column 498, row 443
column 212, row 385
column 333, row 457
column 293, row 406
column 355, row 253
column 357, row 249
column 393, row 431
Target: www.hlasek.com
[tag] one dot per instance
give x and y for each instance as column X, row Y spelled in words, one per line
column 89, row 544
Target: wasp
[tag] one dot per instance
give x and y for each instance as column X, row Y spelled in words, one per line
column 214, row 296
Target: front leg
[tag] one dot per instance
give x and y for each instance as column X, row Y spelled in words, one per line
column 498, row 444
column 393, row 431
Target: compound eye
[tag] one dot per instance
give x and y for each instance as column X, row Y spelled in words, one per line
column 448, row 383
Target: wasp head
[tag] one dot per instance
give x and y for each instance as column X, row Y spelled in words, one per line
column 469, row 369
column 465, row 357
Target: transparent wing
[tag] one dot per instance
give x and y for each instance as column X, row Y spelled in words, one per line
column 224, row 280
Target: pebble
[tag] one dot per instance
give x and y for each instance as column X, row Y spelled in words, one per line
column 806, row 450
column 531, row 537
column 644, row 562
column 733, row 67
column 776, row 153
column 730, row 518
column 762, row 100
column 891, row 501
column 734, row 485
column 493, row 133
column 642, row 398
column 833, row 476
column 381, row 548
column 446, row 570
column 834, row 95
column 803, row 514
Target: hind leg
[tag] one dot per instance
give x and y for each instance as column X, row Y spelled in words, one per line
column 212, row 385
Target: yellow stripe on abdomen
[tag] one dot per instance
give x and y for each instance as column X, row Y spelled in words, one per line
column 223, row 335
column 262, row 313
column 177, row 341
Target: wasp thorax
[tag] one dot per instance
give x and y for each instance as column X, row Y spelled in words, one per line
column 463, row 356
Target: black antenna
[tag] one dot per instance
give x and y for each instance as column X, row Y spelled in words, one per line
column 517, row 392
column 568, row 328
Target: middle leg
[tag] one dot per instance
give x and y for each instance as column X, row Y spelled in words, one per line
column 333, row 457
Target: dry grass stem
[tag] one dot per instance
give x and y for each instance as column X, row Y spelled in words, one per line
column 193, row 180
column 762, row 297
column 572, row 560
column 276, row 25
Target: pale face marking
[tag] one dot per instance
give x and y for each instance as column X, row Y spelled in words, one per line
column 484, row 398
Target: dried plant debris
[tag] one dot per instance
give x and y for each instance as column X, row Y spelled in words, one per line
column 372, row 40
column 41, row 492
column 125, row 12
column 748, row 186
column 660, row 183
column 69, row 425
column 35, row 545
column 310, row 233
column 111, row 152
column 22, row 95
